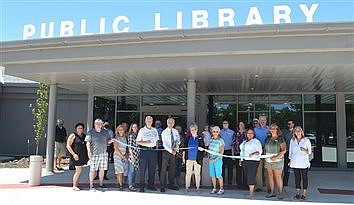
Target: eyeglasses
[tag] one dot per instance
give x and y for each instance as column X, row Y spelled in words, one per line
column 225, row 123
column 255, row 123
column 250, row 133
column 215, row 131
column 80, row 128
column 273, row 129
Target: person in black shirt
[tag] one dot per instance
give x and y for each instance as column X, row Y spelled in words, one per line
column 76, row 146
column 60, row 144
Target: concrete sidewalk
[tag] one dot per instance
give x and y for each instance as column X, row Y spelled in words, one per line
column 14, row 189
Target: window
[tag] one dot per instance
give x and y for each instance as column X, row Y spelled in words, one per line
column 349, row 113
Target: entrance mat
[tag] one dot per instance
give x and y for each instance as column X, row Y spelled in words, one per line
column 336, row 191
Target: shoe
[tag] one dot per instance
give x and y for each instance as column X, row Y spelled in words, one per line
column 249, row 196
column 186, row 191
column 76, row 188
column 96, row 178
column 131, row 188
column 258, row 190
column 197, row 190
column 102, row 187
column 92, row 189
column 220, row 192
column 303, row 198
column 141, row 190
column 280, row 197
column 105, row 178
column 174, row 188
column 213, row 191
column 270, row 195
column 163, row 190
column 297, row 197
column 152, row 188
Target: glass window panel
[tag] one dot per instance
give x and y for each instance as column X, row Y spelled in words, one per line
column 165, row 100
column 128, row 117
column 246, row 117
column 321, row 129
column 253, row 102
column 128, row 103
column 349, row 114
column 320, row 102
column 285, row 107
column 225, row 111
column 103, row 107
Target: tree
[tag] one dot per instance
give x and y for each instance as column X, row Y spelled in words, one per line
column 39, row 113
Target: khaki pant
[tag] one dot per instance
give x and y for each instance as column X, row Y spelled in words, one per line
column 259, row 176
column 190, row 164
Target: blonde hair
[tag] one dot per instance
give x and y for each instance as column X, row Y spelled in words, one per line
column 118, row 128
column 279, row 133
column 302, row 132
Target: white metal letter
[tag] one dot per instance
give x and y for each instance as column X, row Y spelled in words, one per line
column 83, row 28
column 179, row 20
column 199, row 19
column 158, row 23
column 50, row 30
column 66, row 28
column 115, row 24
column 102, row 25
column 254, row 17
column 285, row 14
column 226, row 15
column 308, row 12
column 28, row 31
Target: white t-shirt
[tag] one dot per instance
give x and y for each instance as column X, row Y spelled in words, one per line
column 298, row 158
column 248, row 147
column 166, row 138
column 146, row 134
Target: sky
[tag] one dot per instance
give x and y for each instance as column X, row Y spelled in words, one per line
column 15, row 14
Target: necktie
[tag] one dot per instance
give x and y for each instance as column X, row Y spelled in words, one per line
column 172, row 140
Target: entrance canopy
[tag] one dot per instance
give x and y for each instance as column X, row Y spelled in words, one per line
column 263, row 58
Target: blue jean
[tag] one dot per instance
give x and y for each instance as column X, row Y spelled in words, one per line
column 131, row 174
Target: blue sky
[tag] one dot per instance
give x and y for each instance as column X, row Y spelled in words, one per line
column 15, row 13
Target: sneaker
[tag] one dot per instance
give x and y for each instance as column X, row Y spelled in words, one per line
column 92, row 189
column 220, row 192
column 132, row 188
column 303, row 198
column 297, row 197
column 213, row 191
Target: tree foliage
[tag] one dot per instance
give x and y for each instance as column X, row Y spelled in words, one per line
column 39, row 112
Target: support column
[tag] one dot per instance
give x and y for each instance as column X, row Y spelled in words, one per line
column 52, row 108
column 202, row 112
column 341, row 131
column 89, row 110
column 191, row 95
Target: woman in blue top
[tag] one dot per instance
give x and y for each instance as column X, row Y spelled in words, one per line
column 215, row 160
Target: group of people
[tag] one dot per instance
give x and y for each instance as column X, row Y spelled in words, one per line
column 251, row 149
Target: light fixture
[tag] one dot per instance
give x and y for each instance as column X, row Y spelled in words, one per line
column 82, row 79
column 348, row 101
column 256, row 76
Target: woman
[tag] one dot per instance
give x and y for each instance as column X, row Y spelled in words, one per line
column 237, row 139
column 206, row 135
column 275, row 146
column 133, row 155
column 119, row 155
column 76, row 146
column 215, row 160
column 299, row 151
column 251, row 148
column 192, row 157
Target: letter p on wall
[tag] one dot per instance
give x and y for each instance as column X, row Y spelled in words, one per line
column 28, row 31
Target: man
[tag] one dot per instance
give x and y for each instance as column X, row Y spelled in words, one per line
column 170, row 142
column 60, row 144
column 97, row 140
column 261, row 134
column 227, row 135
column 287, row 135
column 147, row 140
column 109, row 149
column 158, row 126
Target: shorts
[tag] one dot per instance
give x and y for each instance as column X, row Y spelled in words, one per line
column 120, row 165
column 60, row 149
column 215, row 169
column 274, row 165
column 99, row 162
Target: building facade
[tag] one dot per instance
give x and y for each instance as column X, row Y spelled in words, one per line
column 302, row 72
